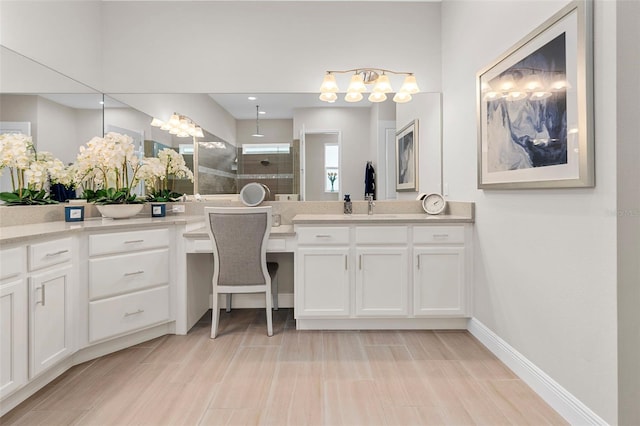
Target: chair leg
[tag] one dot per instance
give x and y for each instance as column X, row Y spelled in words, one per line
column 268, row 302
column 229, row 302
column 215, row 314
column 275, row 292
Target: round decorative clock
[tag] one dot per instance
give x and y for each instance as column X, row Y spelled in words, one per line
column 434, row 203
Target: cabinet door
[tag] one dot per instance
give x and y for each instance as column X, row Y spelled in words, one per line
column 13, row 336
column 49, row 330
column 439, row 282
column 381, row 281
column 322, row 279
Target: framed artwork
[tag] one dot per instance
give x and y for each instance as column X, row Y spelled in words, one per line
column 535, row 108
column 407, row 157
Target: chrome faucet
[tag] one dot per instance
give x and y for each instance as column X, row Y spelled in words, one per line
column 370, row 204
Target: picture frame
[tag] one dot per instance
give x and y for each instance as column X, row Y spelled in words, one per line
column 407, row 157
column 535, row 107
column 74, row 213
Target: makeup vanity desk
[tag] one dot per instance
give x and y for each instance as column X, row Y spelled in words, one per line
column 198, row 271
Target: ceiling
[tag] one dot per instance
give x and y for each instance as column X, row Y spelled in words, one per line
column 275, row 105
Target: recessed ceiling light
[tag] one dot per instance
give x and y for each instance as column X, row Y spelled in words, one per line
column 262, row 112
column 252, row 98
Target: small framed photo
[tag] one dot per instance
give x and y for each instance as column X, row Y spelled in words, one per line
column 74, row 213
column 535, row 108
column 407, row 157
column 158, row 210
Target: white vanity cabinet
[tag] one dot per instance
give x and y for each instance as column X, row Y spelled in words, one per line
column 381, row 281
column 372, row 273
column 13, row 320
column 51, row 311
column 323, row 269
column 439, row 271
column 128, row 282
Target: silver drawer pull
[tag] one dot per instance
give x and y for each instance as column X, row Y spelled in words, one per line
column 42, row 302
column 128, row 314
column 323, row 236
column 56, row 253
column 440, row 235
column 133, row 241
column 128, row 274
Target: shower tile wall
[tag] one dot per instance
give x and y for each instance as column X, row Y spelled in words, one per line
column 273, row 170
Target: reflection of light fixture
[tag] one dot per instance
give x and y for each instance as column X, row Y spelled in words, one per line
column 179, row 125
column 257, row 134
column 372, row 76
column 525, row 83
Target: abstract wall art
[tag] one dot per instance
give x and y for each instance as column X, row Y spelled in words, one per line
column 535, row 110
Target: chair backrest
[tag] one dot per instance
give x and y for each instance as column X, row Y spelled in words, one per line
column 239, row 236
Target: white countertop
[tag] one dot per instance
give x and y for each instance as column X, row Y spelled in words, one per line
column 379, row 218
column 11, row 234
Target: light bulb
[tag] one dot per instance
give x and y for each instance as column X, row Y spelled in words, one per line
column 174, row 120
column 402, row 97
column 383, row 85
column 410, row 86
column 357, row 84
column 329, row 84
column 157, row 123
column 328, row 97
column 377, row 97
column 353, row 97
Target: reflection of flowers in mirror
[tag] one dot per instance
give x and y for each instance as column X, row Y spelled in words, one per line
column 29, row 170
column 156, row 173
column 110, row 162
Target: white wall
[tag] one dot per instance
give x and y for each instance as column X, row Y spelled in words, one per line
column 314, row 167
column 353, row 123
column 274, row 131
column 254, row 46
column 66, row 35
column 545, row 260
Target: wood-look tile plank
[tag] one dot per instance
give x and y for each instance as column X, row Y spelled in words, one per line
column 296, row 395
column 381, row 337
column 344, row 356
column 49, row 418
column 230, row 417
column 301, row 346
column 425, row 345
column 463, row 345
column 352, row 402
column 248, row 379
column 386, row 376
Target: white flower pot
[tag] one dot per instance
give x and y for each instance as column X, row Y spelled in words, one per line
column 119, row 211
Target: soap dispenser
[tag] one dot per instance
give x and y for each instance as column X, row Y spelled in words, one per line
column 348, row 208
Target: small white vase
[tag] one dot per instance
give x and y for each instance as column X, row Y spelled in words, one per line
column 119, row 211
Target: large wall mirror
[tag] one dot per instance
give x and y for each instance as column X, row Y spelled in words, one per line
column 309, row 150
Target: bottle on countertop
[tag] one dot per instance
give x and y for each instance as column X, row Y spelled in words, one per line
column 348, row 208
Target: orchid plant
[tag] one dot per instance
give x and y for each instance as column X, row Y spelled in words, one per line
column 108, row 169
column 30, row 170
column 157, row 172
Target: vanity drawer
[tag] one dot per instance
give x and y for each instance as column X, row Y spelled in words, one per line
column 125, row 273
column 121, row 242
column 381, row 235
column 323, row 235
column 50, row 253
column 129, row 312
column 438, row 234
column 11, row 262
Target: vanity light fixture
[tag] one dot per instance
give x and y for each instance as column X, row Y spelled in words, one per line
column 362, row 77
column 257, row 134
column 179, row 125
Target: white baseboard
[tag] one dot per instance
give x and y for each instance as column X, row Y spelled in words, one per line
column 569, row 407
